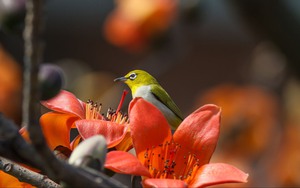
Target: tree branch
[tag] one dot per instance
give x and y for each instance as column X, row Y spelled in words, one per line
column 25, row 175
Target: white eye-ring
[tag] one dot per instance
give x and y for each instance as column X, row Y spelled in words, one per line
column 132, row 76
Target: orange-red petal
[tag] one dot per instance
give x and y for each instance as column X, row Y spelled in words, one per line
column 123, row 32
column 66, row 102
column 125, row 163
column 148, row 126
column 7, row 180
column 113, row 132
column 218, row 173
column 56, row 128
column 126, row 143
column 157, row 183
column 198, row 133
column 75, row 142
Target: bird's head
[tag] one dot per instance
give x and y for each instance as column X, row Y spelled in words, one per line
column 137, row 78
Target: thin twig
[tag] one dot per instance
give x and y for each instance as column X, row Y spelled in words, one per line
column 25, row 175
column 32, row 58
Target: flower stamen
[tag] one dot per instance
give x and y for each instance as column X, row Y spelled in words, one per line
column 161, row 162
column 117, row 116
column 92, row 110
column 125, row 92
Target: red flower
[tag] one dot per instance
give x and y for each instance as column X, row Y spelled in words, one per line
column 179, row 160
column 134, row 23
column 69, row 112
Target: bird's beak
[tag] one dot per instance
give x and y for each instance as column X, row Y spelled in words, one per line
column 123, row 79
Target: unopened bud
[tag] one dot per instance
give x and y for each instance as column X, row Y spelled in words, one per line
column 12, row 15
column 51, row 80
column 90, row 153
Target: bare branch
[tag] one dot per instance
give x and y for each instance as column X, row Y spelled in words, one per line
column 25, row 175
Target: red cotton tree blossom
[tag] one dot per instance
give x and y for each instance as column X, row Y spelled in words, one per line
column 179, row 160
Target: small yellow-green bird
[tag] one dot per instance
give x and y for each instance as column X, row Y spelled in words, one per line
column 142, row 84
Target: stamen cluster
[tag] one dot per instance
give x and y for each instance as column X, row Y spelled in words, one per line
column 117, row 117
column 161, row 161
column 93, row 112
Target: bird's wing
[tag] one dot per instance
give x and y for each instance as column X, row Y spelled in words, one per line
column 159, row 92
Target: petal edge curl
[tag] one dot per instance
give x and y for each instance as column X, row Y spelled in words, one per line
column 125, row 163
column 218, row 173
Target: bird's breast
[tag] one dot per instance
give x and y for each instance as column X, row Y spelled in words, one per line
column 145, row 93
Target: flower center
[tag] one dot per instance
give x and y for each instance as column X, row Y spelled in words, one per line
column 93, row 111
column 116, row 116
column 164, row 162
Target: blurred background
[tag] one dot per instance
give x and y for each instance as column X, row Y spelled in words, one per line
column 242, row 55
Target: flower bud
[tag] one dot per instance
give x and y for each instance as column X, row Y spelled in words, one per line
column 90, row 153
column 12, row 15
column 51, row 80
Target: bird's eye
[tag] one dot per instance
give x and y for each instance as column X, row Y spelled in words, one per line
column 132, row 76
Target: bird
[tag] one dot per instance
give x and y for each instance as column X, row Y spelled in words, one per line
column 144, row 85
